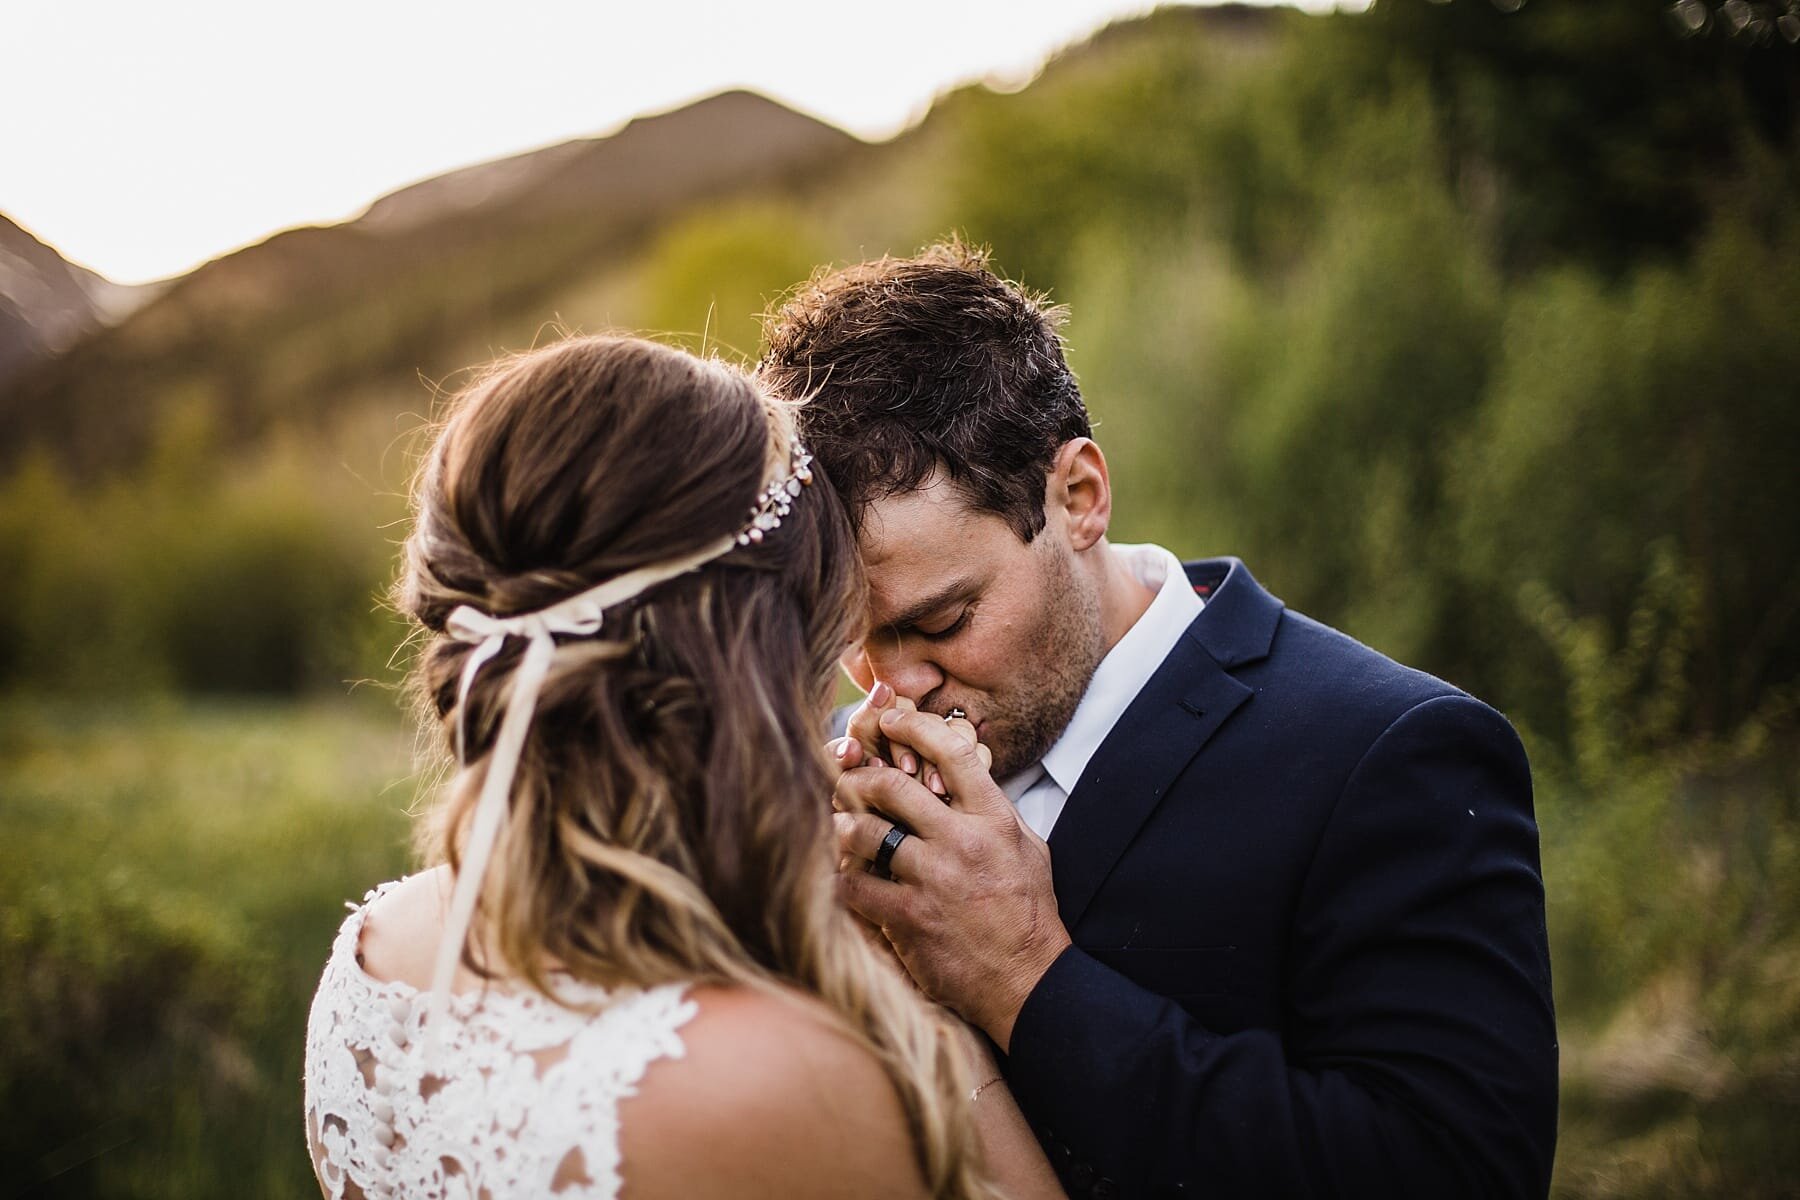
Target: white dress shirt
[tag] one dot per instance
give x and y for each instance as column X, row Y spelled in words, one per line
column 1040, row 791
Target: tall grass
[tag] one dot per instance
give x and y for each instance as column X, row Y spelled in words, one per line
column 1673, row 886
column 170, row 879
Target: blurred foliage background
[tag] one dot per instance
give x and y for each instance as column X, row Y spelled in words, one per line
column 1471, row 326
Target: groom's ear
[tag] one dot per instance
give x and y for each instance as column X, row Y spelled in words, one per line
column 1079, row 492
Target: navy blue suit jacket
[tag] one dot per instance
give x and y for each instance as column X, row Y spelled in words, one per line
column 1308, row 914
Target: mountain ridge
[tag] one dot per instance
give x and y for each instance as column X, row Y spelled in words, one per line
column 306, row 325
column 726, row 140
column 421, row 263
column 47, row 302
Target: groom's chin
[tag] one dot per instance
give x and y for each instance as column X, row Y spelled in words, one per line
column 1011, row 753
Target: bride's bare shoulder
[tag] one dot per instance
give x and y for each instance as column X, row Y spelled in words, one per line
column 400, row 930
column 770, row 1099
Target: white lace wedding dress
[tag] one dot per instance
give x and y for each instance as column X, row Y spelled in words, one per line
column 519, row 1096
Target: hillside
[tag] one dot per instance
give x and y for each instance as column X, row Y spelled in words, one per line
column 648, row 171
column 684, row 221
column 47, row 303
column 292, row 326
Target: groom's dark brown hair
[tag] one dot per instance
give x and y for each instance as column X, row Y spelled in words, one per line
column 914, row 365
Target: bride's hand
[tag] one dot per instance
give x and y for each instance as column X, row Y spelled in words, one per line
column 865, row 745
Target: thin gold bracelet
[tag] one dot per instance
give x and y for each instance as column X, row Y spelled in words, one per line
column 976, row 1094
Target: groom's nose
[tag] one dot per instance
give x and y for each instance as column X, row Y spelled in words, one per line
column 911, row 675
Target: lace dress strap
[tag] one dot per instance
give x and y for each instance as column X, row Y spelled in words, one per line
column 519, row 1097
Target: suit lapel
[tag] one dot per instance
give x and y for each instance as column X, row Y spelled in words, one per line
column 1184, row 704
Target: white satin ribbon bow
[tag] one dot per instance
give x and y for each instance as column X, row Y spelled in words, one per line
column 580, row 615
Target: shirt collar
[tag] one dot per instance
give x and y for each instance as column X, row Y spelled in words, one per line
column 1131, row 662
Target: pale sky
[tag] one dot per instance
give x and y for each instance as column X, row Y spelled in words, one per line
column 141, row 138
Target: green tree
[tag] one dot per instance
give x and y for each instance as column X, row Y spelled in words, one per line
column 709, row 278
column 1663, row 409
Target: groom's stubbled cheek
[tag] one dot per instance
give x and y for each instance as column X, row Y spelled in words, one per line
column 1021, row 661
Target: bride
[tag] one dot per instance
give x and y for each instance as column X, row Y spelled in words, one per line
column 628, row 971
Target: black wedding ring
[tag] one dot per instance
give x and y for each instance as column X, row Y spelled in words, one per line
column 884, row 857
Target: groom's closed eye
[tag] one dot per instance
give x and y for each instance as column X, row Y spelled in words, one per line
column 928, row 616
column 946, row 631
column 937, row 625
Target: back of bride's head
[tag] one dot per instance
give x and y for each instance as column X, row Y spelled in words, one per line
column 665, row 815
column 668, row 811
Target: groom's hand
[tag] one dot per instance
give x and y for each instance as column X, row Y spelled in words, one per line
column 970, row 908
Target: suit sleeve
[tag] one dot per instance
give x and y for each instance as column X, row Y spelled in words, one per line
column 1419, row 1056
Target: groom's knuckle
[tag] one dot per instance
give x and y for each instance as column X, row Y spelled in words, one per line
column 868, row 898
column 891, row 787
column 964, row 756
column 963, row 844
column 927, row 913
column 928, row 868
column 873, row 792
column 850, row 835
column 857, row 788
column 853, row 890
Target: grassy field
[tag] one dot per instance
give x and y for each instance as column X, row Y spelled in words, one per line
column 171, row 876
column 1674, row 909
column 170, row 880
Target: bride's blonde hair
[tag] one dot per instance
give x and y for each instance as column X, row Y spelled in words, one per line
column 669, row 820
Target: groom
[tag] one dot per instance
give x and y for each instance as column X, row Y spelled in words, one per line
column 1249, row 909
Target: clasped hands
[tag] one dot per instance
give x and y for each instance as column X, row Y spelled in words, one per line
column 969, row 909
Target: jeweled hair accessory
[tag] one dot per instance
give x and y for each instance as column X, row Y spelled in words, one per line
column 580, row 615
column 775, row 501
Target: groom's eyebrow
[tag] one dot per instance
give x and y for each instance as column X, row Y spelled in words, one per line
column 950, row 593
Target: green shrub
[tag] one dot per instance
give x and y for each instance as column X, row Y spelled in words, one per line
column 1672, row 873
column 708, row 278
column 125, row 1008
column 262, row 575
column 169, row 882
column 1663, row 409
